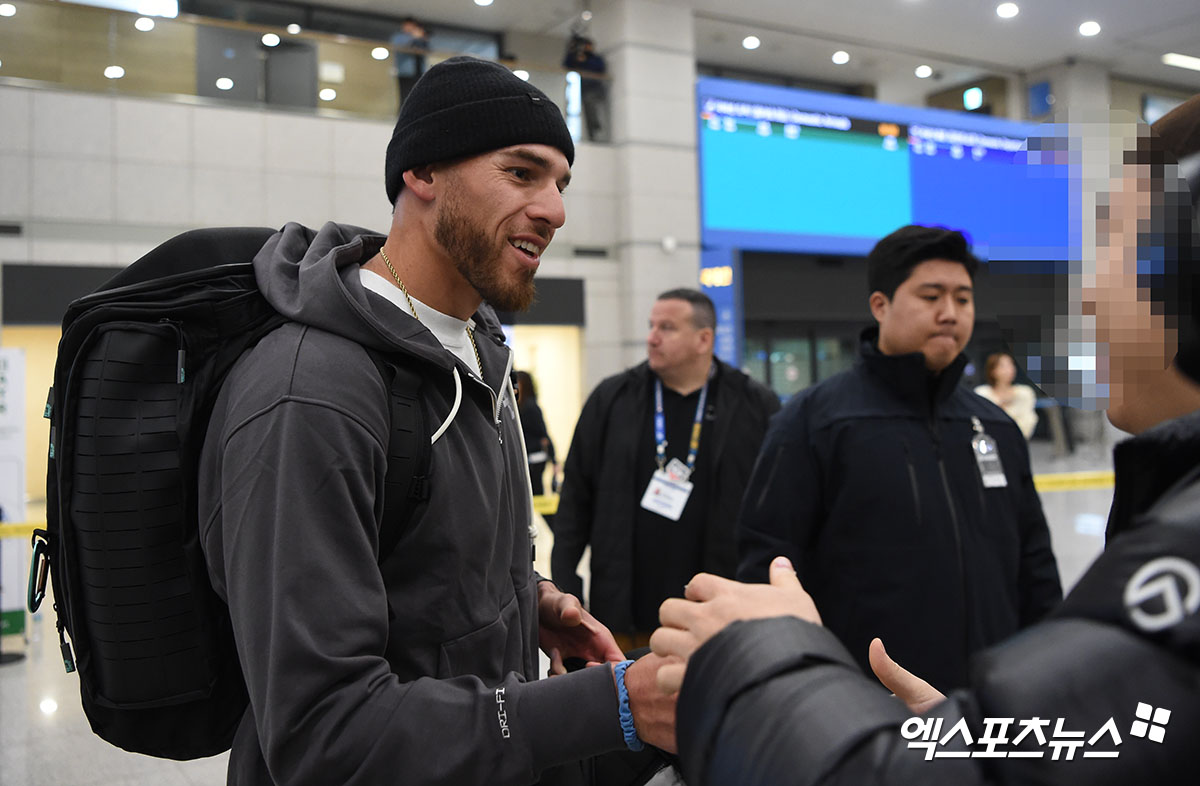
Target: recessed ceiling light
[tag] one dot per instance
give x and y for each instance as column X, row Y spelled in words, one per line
column 1181, row 61
column 270, row 39
column 380, row 53
column 841, row 58
column 144, row 23
column 972, row 98
column 1007, row 10
column 7, row 9
column 483, row 2
column 586, row 16
column 224, row 83
column 114, row 72
column 1089, row 29
column 293, row 29
column 327, row 94
column 521, row 73
column 923, row 72
column 751, row 42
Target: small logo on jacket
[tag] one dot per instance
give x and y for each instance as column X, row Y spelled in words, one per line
column 1162, row 593
column 502, row 714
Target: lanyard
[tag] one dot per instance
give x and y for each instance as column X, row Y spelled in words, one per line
column 660, row 426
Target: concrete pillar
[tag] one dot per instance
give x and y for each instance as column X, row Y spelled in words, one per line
column 649, row 46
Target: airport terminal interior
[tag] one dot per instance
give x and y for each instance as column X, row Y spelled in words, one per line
column 755, row 151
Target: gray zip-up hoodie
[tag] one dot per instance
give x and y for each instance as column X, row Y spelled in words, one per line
column 419, row 669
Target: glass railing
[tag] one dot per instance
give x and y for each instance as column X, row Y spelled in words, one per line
column 115, row 52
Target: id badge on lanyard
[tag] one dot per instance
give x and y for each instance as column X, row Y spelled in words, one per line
column 987, row 457
column 670, row 487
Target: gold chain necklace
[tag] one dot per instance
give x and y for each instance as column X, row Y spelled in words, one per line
column 412, row 308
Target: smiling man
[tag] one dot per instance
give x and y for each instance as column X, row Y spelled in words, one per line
column 905, row 501
column 375, row 652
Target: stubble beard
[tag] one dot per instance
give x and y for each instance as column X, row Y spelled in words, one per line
column 479, row 261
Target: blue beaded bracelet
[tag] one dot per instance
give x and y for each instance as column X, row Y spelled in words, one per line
column 631, row 739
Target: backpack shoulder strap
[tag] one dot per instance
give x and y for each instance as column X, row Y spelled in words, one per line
column 406, row 484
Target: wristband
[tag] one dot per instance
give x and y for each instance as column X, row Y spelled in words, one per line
column 630, row 731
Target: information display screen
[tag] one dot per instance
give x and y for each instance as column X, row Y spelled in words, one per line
column 783, row 169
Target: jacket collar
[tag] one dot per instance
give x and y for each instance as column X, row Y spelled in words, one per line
column 1148, row 465
column 906, row 376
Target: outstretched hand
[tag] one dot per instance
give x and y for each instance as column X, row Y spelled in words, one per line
column 712, row 603
column 567, row 630
column 918, row 694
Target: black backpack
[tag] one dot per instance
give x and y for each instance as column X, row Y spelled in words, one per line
column 139, row 366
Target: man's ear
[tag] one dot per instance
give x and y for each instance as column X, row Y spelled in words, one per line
column 707, row 338
column 879, row 304
column 419, row 180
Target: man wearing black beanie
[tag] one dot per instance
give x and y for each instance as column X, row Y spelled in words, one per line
column 905, row 501
column 375, row 653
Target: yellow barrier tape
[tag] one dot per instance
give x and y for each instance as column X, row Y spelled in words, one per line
column 547, row 504
column 1073, row 481
column 24, row 530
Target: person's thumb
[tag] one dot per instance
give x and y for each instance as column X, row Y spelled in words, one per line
column 783, row 574
column 918, row 694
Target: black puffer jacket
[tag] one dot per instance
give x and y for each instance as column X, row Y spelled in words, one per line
column 781, row 701
column 601, row 492
column 868, row 482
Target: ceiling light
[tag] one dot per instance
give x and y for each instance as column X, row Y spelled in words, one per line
column 1007, row 10
column 380, row 53
column 586, row 16
column 114, row 72
column 483, row 2
column 841, row 58
column 1181, row 61
column 1089, row 29
column 327, row 94
column 7, row 9
column 751, row 42
column 522, row 74
column 144, row 24
column 972, row 98
column 293, row 29
column 923, row 72
column 270, row 39
column 224, row 83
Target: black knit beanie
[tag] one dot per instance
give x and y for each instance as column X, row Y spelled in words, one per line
column 463, row 107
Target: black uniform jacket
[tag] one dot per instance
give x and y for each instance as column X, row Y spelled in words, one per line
column 868, row 482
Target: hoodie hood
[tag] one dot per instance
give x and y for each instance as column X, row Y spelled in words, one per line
column 312, row 277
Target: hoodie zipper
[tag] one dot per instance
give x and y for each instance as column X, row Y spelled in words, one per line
column 496, row 400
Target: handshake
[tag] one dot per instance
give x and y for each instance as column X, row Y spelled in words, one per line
column 710, row 603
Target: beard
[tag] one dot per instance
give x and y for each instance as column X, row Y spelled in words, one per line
column 478, row 259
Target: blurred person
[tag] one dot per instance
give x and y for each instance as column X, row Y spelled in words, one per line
column 905, row 501
column 417, row 664
column 776, row 699
column 538, row 445
column 1017, row 401
column 410, row 64
column 582, row 58
column 656, row 471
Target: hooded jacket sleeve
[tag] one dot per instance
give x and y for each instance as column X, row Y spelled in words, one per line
column 297, row 544
column 781, row 507
column 781, row 702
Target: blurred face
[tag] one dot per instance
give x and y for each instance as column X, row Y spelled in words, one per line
column 1005, row 371
column 496, row 215
column 674, row 341
column 932, row 312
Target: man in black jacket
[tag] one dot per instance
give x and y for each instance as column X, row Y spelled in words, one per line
column 654, row 488
column 905, row 501
column 1113, row 671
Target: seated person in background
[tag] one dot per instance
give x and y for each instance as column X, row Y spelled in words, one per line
column 1114, row 669
column 1017, row 401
